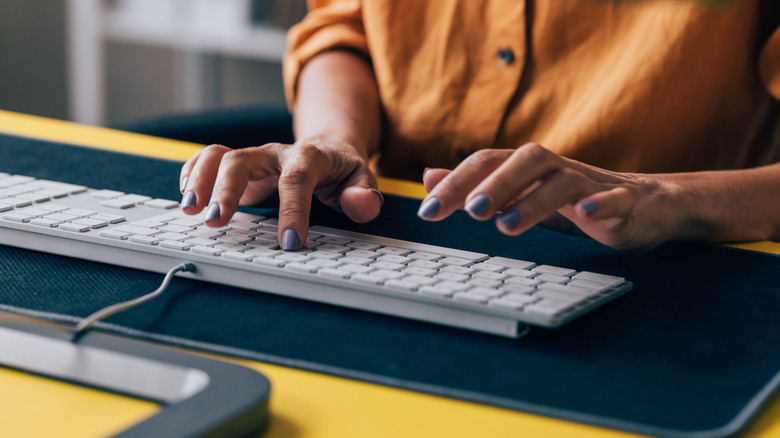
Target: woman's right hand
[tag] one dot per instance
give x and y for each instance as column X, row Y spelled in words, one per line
column 333, row 170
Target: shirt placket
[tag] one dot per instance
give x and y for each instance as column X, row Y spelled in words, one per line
column 500, row 62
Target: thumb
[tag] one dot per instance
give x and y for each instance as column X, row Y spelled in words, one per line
column 433, row 176
column 360, row 200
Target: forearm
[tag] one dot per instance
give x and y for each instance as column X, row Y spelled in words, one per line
column 727, row 206
column 337, row 99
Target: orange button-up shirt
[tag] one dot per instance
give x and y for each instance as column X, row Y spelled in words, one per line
column 639, row 86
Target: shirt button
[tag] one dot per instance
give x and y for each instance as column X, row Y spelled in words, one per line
column 506, row 55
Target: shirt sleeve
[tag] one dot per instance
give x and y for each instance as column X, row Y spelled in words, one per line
column 330, row 24
column 769, row 64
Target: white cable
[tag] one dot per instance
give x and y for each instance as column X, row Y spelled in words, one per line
column 105, row 312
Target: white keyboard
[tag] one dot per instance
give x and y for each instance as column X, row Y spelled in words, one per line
column 423, row 282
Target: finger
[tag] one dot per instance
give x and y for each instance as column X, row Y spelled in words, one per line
column 236, row 169
column 201, row 177
column 618, row 202
column 450, row 192
column 515, row 177
column 360, row 200
column 433, row 176
column 562, row 188
column 300, row 173
column 186, row 169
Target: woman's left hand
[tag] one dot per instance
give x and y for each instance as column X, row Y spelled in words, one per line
column 629, row 212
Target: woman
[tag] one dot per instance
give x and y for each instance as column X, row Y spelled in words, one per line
column 659, row 119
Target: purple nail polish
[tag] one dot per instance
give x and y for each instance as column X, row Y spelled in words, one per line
column 509, row 219
column 183, row 185
column 188, row 200
column 478, row 205
column 429, row 208
column 588, row 206
column 290, row 239
column 213, row 212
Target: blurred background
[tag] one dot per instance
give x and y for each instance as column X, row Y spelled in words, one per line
column 108, row 62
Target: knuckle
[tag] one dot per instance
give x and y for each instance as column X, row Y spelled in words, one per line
column 307, row 152
column 215, row 148
column 293, row 210
column 294, row 176
column 235, row 155
column 533, row 151
column 274, row 147
column 485, row 158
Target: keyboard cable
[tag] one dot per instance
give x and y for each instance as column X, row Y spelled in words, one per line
column 87, row 323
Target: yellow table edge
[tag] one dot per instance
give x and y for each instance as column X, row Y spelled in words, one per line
column 308, row 404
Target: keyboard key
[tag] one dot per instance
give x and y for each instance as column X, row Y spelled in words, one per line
column 163, row 204
column 106, row 194
column 606, row 280
column 368, row 246
column 510, row 263
column 402, row 285
column 334, row 273
column 237, row 256
column 421, row 255
column 110, row 218
column 135, row 199
column 334, row 240
column 436, row 291
column 34, row 196
column 547, row 269
column 17, row 217
column 43, row 222
column 114, row 234
column 149, row 240
column 16, row 202
column 90, row 222
column 574, row 291
column 80, row 212
column 552, row 278
column 268, row 262
column 69, row 226
column 175, row 244
column 392, row 258
column 470, row 298
column 118, row 204
column 393, row 250
column 206, row 250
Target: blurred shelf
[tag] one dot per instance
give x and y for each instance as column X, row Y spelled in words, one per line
column 197, row 31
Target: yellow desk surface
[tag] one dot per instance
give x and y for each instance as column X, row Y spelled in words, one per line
column 303, row 404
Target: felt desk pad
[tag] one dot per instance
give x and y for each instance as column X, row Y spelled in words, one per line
column 693, row 350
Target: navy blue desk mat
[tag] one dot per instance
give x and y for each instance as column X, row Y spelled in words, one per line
column 693, row 350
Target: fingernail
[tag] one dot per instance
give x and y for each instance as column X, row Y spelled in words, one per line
column 478, row 205
column 213, row 212
column 429, row 208
column 188, row 200
column 290, row 239
column 183, row 184
column 425, row 171
column 587, row 206
column 509, row 219
column 381, row 198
